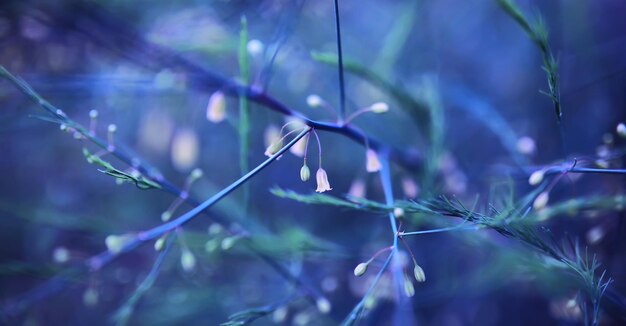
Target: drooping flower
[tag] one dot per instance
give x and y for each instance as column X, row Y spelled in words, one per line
column 410, row 188
column 298, row 148
column 322, row 181
column 274, row 148
column 357, row 188
column 372, row 162
column 185, row 149
column 216, row 109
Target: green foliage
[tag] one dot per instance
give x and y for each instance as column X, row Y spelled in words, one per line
column 323, row 199
column 139, row 180
column 538, row 33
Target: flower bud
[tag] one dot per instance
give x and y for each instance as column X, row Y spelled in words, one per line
column 298, row 148
column 165, row 216
column 379, row 107
column 418, row 272
column 621, row 130
column 323, row 305
column 541, row 201
column 526, row 145
column 116, row 243
column 196, row 174
column 90, row 297
column 360, row 269
column 185, row 149
column 305, row 173
column 215, row 229
column 216, row 109
column 112, row 128
column 398, row 212
column 61, row 255
column 409, row 289
column 211, row 245
column 372, row 163
column 160, row 243
column 187, row 260
column 254, row 47
column 274, row 148
column 229, row 242
column 536, row 177
column 280, row 314
column 314, row 101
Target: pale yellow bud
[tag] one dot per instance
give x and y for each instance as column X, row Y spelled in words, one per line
column 418, row 272
column 360, row 269
column 409, row 289
column 280, row 314
column 536, row 177
column 165, row 216
column 323, row 305
column 372, row 161
column 211, row 245
column 271, row 135
column 116, row 243
column 229, row 242
column 216, row 109
column 621, row 130
column 90, row 297
column 196, row 174
column 526, row 145
column 274, row 148
column 185, row 149
column 379, row 107
column 314, row 101
column 60, row 255
column 541, row 201
column 604, row 164
column 160, row 243
column 305, row 173
column 187, row 260
column 215, row 229
column 398, row 212
column 254, row 47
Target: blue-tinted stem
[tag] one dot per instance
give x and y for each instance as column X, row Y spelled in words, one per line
column 342, row 88
column 162, row 229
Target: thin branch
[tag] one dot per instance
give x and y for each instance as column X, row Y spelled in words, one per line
column 342, row 86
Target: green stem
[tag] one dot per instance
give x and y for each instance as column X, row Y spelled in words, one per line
column 244, row 111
